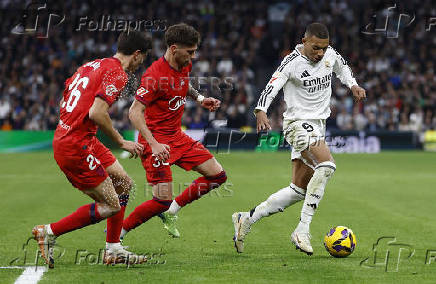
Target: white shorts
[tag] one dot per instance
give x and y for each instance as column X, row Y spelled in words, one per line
column 302, row 133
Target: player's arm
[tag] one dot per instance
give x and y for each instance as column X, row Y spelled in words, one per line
column 136, row 116
column 210, row 103
column 271, row 90
column 345, row 75
column 99, row 114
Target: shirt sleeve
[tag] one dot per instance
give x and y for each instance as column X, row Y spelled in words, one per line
column 112, row 85
column 343, row 71
column 277, row 81
column 148, row 91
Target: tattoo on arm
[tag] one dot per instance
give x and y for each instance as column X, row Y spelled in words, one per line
column 193, row 93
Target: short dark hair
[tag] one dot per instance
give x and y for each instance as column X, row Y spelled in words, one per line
column 317, row 29
column 182, row 34
column 131, row 41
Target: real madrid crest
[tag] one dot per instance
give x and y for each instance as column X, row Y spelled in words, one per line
column 327, row 63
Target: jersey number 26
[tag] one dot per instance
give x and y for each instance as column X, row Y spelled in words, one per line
column 75, row 92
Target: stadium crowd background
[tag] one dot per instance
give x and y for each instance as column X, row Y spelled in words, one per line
column 242, row 40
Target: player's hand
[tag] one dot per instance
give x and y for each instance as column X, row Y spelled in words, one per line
column 262, row 121
column 359, row 93
column 135, row 149
column 161, row 151
column 211, row 104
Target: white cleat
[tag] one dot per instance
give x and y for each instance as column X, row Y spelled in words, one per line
column 301, row 241
column 242, row 228
column 119, row 255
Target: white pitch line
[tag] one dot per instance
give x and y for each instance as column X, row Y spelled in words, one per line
column 31, row 275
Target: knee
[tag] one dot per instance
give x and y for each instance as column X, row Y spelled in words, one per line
column 106, row 210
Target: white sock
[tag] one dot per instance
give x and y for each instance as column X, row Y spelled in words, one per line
column 174, row 208
column 111, row 246
column 277, row 202
column 48, row 229
column 123, row 232
column 315, row 192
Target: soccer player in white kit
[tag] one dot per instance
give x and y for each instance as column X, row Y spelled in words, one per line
column 305, row 76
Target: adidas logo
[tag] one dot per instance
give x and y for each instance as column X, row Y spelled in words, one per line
column 305, row 74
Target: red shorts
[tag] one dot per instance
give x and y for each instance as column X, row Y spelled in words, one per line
column 185, row 152
column 86, row 168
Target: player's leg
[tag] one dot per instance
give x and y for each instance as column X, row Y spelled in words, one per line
column 123, row 184
column 285, row 197
column 160, row 177
column 193, row 156
column 320, row 156
column 276, row 202
column 212, row 177
column 162, row 197
column 106, row 204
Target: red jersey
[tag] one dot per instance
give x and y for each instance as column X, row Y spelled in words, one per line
column 163, row 91
column 104, row 78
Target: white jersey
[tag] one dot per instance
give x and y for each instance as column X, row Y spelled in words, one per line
column 306, row 84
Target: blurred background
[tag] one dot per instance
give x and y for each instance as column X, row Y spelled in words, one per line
column 390, row 46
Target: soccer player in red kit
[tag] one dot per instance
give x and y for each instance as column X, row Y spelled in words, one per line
column 157, row 112
column 85, row 161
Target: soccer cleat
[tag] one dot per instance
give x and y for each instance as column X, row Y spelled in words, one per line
column 46, row 243
column 119, row 255
column 169, row 222
column 242, row 228
column 301, row 241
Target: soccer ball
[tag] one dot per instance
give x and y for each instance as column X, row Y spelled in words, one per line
column 340, row 241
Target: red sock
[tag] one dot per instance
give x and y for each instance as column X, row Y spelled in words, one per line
column 84, row 216
column 200, row 187
column 114, row 226
column 115, row 223
column 145, row 211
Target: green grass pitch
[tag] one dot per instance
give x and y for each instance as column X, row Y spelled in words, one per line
column 379, row 195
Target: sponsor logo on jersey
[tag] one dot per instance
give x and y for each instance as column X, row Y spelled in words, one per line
column 141, row 92
column 110, row 90
column 176, row 102
column 318, row 83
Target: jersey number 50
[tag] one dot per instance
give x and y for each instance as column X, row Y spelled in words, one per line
column 75, row 93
